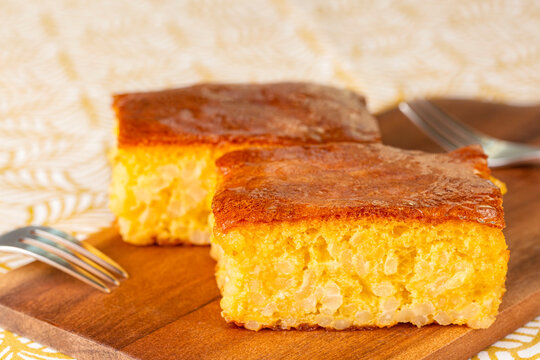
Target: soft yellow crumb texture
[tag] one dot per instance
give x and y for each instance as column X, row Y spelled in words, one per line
column 162, row 194
column 338, row 275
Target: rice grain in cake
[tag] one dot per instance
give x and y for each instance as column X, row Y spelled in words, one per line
column 163, row 168
column 350, row 236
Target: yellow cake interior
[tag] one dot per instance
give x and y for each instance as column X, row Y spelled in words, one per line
column 162, row 194
column 363, row 273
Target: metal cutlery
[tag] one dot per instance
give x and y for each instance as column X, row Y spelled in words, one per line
column 451, row 134
column 63, row 251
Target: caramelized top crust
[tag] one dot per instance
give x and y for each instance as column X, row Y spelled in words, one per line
column 351, row 181
column 266, row 114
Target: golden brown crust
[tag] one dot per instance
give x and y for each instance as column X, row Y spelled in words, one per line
column 351, row 181
column 274, row 113
column 309, row 327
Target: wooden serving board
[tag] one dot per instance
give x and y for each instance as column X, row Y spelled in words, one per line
column 169, row 308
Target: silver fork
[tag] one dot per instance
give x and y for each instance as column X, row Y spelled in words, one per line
column 451, row 133
column 66, row 253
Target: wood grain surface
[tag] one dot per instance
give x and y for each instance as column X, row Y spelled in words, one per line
column 169, row 308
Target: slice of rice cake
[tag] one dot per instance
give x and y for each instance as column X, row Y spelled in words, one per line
column 163, row 169
column 350, row 236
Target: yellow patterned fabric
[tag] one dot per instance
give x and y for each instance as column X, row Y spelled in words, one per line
column 60, row 60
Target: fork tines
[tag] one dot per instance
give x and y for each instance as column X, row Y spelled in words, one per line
column 66, row 253
column 450, row 133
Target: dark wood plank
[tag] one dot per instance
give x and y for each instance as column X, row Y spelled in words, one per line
column 169, row 308
column 165, row 284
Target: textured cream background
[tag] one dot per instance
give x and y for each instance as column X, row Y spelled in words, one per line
column 61, row 60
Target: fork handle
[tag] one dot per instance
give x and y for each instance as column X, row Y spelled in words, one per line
column 527, row 158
